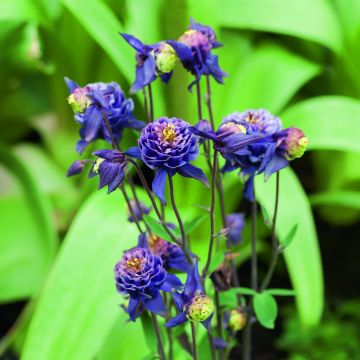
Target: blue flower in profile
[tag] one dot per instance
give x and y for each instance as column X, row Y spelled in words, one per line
column 141, row 275
column 192, row 303
column 194, row 51
column 169, row 146
column 151, row 61
column 92, row 103
column 110, row 166
column 172, row 255
column 235, row 222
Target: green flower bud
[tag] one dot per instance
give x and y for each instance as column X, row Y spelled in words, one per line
column 200, row 309
column 237, row 320
column 79, row 101
column 295, row 144
column 165, row 59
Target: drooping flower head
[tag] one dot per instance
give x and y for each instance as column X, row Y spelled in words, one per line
column 168, row 145
column 294, row 144
column 172, row 255
column 235, row 222
column 110, row 166
column 141, row 275
column 192, row 303
column 151, row 61
column 92, row 103
column 139, row 210
column 194, row 51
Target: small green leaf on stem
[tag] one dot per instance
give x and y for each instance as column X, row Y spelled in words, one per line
column 157, row 228
column 265, row 309
column 289, row 237
column 281, row 292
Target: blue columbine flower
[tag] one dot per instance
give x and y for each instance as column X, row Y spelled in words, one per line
column 151, row 61
column 235, row 222
column 92, row 103
column 172, row 255
column 192, row 303
column 194, row 51
column 139, row 210
column 110, row 166
column 168, row 145
column 141, row 275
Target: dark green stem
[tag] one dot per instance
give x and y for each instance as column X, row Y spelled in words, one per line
column 198, row 93
column 151, row 103
column 193, row 335
column 158, row 335
column 146, row 105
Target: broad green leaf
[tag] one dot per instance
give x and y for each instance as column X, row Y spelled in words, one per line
column 191, row 225
column 265, row 309
column 281, row 292
column 310, row 20
column 157, row 228
column 289, row 237
column 79, row 304
column 289, row 72
column 329, row 122
column 107, row 36
column 343, row 198
column 27, row 236
column 19, row 10
column 302, row 257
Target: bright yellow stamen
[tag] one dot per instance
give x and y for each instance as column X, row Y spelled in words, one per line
column 168, row 133
column 134, row 264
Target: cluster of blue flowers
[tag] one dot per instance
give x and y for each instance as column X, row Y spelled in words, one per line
column 251, row 142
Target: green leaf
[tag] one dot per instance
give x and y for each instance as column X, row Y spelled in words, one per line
column 302, row 258
column 157, row 228
column 244, row 291
column 191, row 225
column 329, row 122
column 310, row 20
column 289, row 237
column 216, row 261
column 265, row 309
column 343, row 198
column 20, row 10
column 281, row 292
column 148, row 329
column 79, row 304
column 289, row 72
column 27, row 235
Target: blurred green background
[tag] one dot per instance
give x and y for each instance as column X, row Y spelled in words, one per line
column 59, row 238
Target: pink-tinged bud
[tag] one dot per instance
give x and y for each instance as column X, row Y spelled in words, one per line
column 295, row 144
column 195, row 39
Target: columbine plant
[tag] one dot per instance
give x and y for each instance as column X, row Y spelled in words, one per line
column 250, row 142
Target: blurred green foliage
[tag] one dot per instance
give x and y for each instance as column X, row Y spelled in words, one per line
column 299, row 59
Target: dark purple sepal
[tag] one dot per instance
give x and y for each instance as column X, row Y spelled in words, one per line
column 156, row 305
column 133, row 41
column 134, row 152
column 171, row 283
column 248, row 190
column 207, row 323
column 76, row 168
column 72, row 85
column 177, row 320
column 158, row 185
column 192, row 171
column 276, row 164
column 92, row 122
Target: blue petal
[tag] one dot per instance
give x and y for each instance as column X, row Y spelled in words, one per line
column 183, row 52
column 220, row 343
column 191, row 171
column 134, row 152
column 133, row 41
column 142, row 241
column 158, row 185
column 193, row 282
column 206, row 323
column 149, row 70
column 210, row 134
column 92, row 122
column 72, row 85
column 139, row 80
column 177, row 320
column 132, row 309
column 156, row 305
column 81, row 145
column 165, row 78
column 171, row 283
column 248, row 190
column 277, row 163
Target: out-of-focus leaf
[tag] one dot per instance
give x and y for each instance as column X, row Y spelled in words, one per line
column 281, row 292
column 302, row 257
column 79, row 304
column 20, row 10
column 348, row 199
column 329, row 122
column 310, row 20
column 289, row 237
column 191, row 225
column 253, row 85
column 27, row 237
column 265, row 309
column 216, row 261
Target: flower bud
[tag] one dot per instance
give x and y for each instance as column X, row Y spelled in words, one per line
column 200, row 308
column 295, row 144
column 237, row 320
column 79, row 100
column 165, row 58
column 195, row 39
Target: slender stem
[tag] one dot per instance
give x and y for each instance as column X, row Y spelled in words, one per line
column 184, row 244
column 212, row 346
column 146, row 105
column 132, row 212
column 153, row 202
column 158, row 335
column 193, row 335
column 151, row 103
column 275, row 252
column 208, row 101
column 212, row 214
column 108, row 128
column 219, row 322
column 198, row 93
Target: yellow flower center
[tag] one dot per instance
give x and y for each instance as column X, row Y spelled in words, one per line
column 168, row 133
column 236, row 128
column 135, row 264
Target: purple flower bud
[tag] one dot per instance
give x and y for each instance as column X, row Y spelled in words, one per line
column 110, row 166
column 294, row 144
column 207, row 31
column 235, row 222
column 195, row 39
column 76, row 167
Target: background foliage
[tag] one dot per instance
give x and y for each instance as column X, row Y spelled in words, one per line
column 59, row 240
